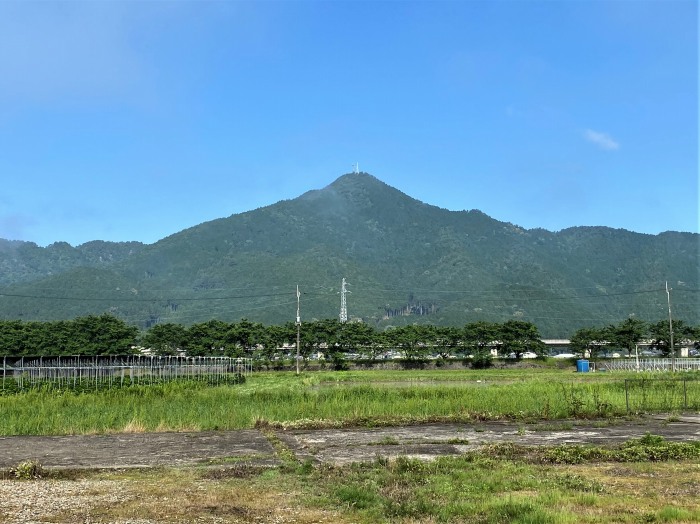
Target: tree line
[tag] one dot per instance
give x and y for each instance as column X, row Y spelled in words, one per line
column 329, row 339
column 626, row 335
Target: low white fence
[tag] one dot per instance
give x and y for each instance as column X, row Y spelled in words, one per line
column 651, row 364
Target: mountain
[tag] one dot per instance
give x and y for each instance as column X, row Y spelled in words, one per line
column 406, row 261
column 25, row 261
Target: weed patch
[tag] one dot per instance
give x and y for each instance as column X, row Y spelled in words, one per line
column 28, row 470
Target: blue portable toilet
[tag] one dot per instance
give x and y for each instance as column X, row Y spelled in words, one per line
column 582, row 366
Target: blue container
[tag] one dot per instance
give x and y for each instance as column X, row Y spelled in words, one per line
column 582, row 366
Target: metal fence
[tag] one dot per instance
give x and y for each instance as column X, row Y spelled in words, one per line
column 662, row 394
column 105, row 372
column 651, row 364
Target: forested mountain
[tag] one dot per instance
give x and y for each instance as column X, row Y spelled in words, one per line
column 406, row 262
column 25, row 261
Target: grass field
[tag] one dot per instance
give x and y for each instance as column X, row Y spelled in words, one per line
column 642, row 481
column 339, row 398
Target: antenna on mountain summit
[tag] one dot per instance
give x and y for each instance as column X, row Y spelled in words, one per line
column 356, row 168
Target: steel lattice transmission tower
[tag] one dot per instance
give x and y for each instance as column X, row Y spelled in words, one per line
column 343, row 302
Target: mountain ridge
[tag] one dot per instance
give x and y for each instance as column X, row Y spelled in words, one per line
column 309, row 194
column 408, row 261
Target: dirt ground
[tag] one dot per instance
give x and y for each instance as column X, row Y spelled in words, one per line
column 336, row 446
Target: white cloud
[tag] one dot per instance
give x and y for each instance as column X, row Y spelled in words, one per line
column 602, row 140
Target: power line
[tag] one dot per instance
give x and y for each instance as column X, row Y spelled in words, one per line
column 496, row 299
column 153, row 299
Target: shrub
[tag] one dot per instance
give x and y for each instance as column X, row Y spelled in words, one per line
column 28, row 470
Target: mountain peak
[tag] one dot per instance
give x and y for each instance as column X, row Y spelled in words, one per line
column 362, row 190
column 353, row 179
column 362, row 181
column 350, row 183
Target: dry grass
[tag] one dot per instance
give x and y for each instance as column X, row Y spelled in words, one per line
column 134, row 426
column 190, row 496
column 137, row 426
column 640, row 492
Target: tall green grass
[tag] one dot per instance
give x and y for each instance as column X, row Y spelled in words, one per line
column 328, row 398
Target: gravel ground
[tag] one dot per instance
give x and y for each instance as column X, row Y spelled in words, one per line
column 71, row 502
column 35, row 502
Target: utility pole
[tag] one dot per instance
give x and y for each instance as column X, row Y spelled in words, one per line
column 343, row 303
column 298, row 329
column 670, row 329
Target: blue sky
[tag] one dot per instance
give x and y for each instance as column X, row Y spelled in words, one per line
column 134, row 120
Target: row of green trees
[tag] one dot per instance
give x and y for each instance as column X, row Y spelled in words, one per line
column 91, row 335
column 331, row 339
column 592, row 341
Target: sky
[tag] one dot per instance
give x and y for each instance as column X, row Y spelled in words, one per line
column 131, row 121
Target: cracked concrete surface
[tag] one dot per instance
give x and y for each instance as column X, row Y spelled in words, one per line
column 336, row 446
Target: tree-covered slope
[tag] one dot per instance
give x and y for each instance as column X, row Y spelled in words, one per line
column 22, row 262
column 406, row 262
